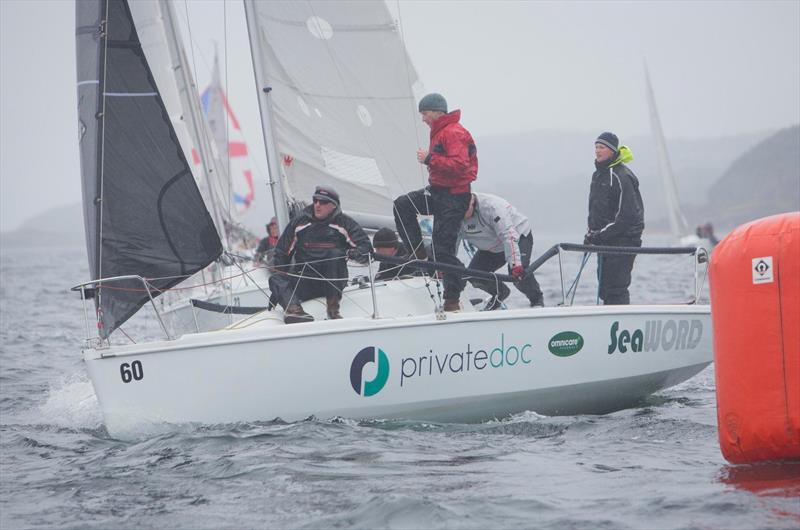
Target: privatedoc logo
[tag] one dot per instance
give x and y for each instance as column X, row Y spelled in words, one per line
column 565, row 344
column 367, row 355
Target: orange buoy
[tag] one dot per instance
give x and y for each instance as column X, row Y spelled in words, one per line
column 755, row 310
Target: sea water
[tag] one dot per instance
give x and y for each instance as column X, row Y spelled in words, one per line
column 657, row 465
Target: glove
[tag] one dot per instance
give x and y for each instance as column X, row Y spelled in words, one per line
column 517, row 272
column 590, row 237
column 356, row 255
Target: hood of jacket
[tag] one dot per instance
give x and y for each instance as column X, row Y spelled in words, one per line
column 624, row 155
column 444, row 121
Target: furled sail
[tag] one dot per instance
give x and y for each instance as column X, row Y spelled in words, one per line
column 143, row 212
column 341, row 108
column 677, row 221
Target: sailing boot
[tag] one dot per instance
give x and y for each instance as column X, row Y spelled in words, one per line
column 452, row 304
column 333, row 307
column 294, row 314
column 496, row 302
column 493, row 304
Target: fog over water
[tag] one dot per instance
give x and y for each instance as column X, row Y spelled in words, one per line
column 718, row 68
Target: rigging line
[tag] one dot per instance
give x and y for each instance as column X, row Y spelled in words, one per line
column 201, row 129
column 229, row 180
column 413, row 122
column 128, row 336
column 407, row 64
column 408, row 67
column 191, row 42
column 101, row 93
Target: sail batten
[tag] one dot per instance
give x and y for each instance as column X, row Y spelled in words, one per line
column 143, row 212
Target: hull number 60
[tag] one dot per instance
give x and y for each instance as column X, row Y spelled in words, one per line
column 131, row 372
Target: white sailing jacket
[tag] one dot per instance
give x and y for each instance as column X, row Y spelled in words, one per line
column 495, row 226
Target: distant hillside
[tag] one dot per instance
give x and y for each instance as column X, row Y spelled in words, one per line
column 546, row 174
column 58, row 225
column 763, row 181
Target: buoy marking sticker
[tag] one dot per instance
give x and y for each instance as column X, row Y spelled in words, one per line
column 762, row 270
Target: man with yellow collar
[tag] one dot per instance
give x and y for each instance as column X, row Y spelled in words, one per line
column 616, row 216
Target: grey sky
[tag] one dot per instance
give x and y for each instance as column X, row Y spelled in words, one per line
column 717, row 67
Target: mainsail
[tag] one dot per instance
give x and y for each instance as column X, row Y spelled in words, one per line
column 337, row 104
column 677, row 221
column 143, row 212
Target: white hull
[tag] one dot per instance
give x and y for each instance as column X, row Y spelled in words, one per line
column 471, row 366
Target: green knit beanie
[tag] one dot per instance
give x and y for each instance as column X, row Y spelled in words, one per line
column 433, row 102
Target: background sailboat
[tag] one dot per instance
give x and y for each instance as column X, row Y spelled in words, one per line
column 679, row 226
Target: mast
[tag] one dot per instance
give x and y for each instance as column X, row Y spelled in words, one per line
column 190, row 104
column 677, row 221
column 265, row 104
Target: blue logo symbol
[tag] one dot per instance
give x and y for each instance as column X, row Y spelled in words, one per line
column 370, row 354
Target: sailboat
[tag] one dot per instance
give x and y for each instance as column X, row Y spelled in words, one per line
column 679, row 226
column 396, row 354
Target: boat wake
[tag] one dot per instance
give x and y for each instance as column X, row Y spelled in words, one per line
column 71, row 403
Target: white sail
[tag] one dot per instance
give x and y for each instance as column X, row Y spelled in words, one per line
column 340, row 107
column 677, row 221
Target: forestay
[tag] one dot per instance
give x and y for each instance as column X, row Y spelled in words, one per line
column 341, row 110
column 143, row 212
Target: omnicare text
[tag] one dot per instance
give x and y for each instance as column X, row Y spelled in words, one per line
column 464, row 361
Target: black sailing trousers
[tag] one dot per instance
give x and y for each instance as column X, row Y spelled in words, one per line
column 614, row 272
column 324, row 278
column 491, row 261
column 448, row 211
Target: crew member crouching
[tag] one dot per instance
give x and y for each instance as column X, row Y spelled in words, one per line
column 320, row 240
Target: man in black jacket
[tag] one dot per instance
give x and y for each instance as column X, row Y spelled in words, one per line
column 320, row 240
column 616, row 216
column 386, row 243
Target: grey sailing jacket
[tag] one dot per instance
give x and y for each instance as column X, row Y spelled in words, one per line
column 495, row 226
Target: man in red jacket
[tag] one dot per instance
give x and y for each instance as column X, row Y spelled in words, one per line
column 452, row 161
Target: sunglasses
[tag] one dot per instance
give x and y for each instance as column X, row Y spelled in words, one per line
column 321, row 201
